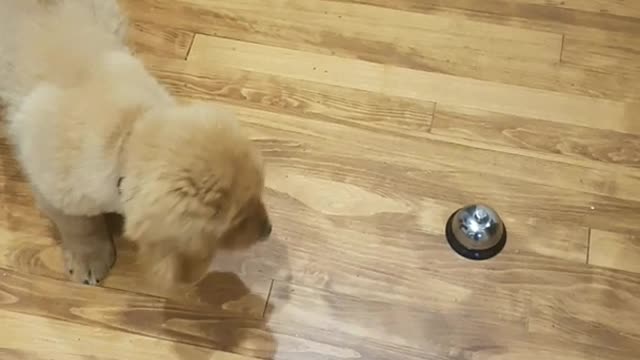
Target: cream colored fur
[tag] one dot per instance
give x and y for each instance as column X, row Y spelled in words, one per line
column 84, row 113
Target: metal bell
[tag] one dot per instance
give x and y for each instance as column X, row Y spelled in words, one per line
column 476, row 232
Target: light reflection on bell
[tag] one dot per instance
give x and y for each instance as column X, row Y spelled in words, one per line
column 476, row 232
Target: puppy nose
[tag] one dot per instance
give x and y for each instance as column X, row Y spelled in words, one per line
column 267, row 230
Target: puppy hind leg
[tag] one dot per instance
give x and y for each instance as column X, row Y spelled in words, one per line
column 89, row 252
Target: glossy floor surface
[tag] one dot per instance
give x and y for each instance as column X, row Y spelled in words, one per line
column 532, row 106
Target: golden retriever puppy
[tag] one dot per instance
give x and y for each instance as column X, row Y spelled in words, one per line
column 95, row 133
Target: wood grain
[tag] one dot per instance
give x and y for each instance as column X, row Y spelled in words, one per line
column 347, row 260
column 462, row 326
column 38, row 338
column 359, row 108
column 433, row 42
column 628, row 8
column 584, row 322
column 423, row 41
column 521, row 14
column 540, row 136
column 377, row 120
column 372, row 111
column 432, row 148
column 426, row 86
column 444, row 159
column 614, row 250
column 574, row 24
column 160, row 40
column 617, row 56
column 345, row 24
column 87, row 320
column 92, row 318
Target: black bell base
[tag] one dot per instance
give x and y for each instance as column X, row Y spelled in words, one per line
column 473, row 254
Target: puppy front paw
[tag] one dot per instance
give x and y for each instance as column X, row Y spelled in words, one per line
column 90, row 266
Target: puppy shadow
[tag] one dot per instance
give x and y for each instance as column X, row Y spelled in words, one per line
column 115, row 224
column 236, row 322
column 222, row 313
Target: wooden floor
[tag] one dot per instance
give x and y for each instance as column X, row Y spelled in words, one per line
column 379, row 118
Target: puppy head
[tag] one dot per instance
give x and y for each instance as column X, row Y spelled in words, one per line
column 192, row 184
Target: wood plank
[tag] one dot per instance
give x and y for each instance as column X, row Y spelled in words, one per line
column 38, row 338
column 626, row 8
column 428, row 43
column 358, row 108
column 440, row 153
column 348, row 257
column 407, row 331
column 159, row 40
column 402, row 82
column 127, row 314
column 41, row 255
column 471, row 325
column 519, row 13
column 614, row 250
column 343, row 253
column 562, row 77
column 343, row 23
column 97, row 316
column 602, row 315
column 617, row 56
column 363, row 109
column 458, row 294
column 576, row 25
column 547, row 137
column 420, row 327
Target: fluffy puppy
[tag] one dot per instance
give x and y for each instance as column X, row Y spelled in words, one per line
column 96, row 133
